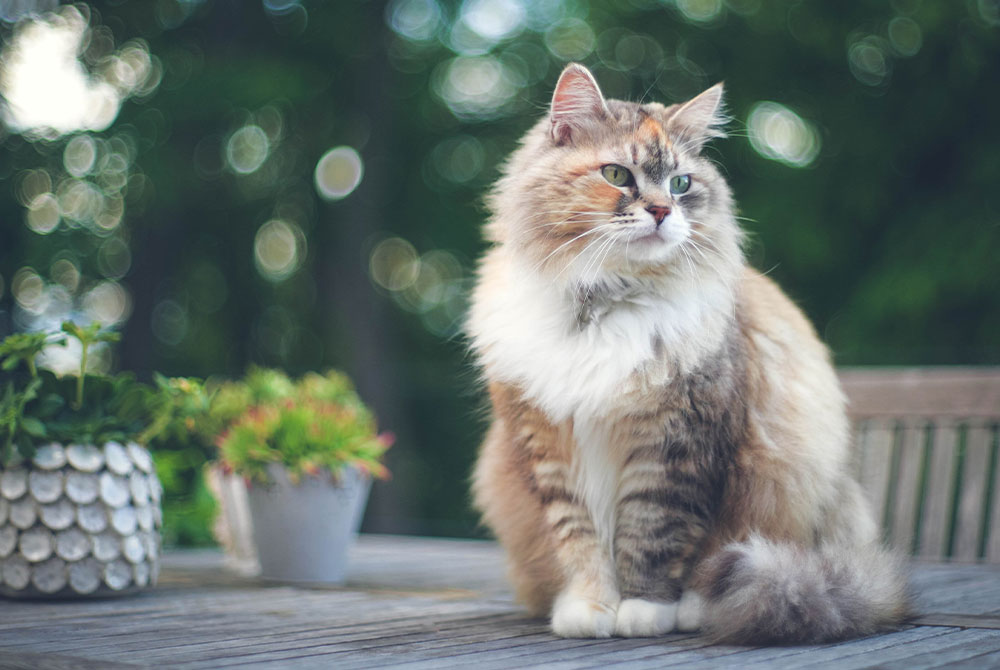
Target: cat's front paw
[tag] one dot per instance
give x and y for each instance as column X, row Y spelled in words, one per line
column 575, row 616
column 689, row 611
column 644, row 618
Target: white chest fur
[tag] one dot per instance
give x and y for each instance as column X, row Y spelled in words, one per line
column 525, row 331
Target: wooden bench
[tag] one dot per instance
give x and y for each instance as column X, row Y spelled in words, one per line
column 927, row 456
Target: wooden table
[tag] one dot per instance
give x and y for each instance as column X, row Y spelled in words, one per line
column 420, row 603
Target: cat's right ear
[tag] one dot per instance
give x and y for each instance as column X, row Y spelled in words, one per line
column 576, row 102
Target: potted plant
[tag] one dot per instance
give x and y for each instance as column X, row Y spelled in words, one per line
column 307, row 451
column 79, row 497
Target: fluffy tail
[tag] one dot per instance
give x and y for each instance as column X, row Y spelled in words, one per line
column 764, row 592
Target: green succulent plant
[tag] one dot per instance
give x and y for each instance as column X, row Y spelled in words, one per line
column 312, row 424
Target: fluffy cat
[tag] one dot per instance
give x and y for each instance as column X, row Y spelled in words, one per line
column 669, row 445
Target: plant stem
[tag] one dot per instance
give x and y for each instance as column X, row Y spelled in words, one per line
column 31, row 367
column 83, row 373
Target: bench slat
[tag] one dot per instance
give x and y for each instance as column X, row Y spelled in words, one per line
column 993, row 540
column 972, row 497
column 907, row 487
column 942, row 392
column 876, row 464
column 936, row 518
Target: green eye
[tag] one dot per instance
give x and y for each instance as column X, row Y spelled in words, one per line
column 616, row 175
column 680, row 184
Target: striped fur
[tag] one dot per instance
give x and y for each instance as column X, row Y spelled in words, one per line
column 669, row 445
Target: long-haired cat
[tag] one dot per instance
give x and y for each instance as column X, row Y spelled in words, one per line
column 669, row 447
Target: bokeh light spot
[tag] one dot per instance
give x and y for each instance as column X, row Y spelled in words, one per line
column 43, row 214
column 493, row 20
column 905, row 36
column 80, row 155
column 700, row 11
column 416, row 20
column 114, row 258
column 33, row 184
column 474, row 86
column 108, row 302
column 780, row 134
column 868, row 61
column 338, row 173
column 571, row 39
column 47, row 90
column 280, row 6
column 169, row 322
column 247, row 149
column 279, row 248
column 29, row 290
column 459, row 159
column 66, row 274
column 394, row 264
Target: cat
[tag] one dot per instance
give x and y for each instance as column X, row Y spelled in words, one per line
column 669, row 446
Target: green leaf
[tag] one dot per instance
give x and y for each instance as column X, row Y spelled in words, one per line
column 33, row 427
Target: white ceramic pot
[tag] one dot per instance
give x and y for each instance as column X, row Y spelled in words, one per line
column 303, row 531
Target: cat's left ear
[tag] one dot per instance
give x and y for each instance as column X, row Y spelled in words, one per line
column 576, row 102
column 700, row 119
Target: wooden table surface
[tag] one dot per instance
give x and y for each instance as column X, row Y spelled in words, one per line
column 421, row 603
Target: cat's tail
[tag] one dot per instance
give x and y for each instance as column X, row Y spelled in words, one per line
column 767, row 592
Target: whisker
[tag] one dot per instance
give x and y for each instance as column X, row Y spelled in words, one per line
column 596, row 229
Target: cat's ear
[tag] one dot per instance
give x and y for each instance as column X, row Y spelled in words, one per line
column 576, row 102
column 700, row 119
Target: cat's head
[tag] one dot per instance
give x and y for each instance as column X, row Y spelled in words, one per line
column 610, row 188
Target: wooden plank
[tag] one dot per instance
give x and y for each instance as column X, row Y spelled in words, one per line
column 906, row 492
column 20, row 660
column 993, row 527
column 972, row 496
column 958, row 620
column 876, row 465
column 981, row 662
column 948, row 392
column 828, row 655
column 245, row 624
column 915, row 655
column 935, row 522
column 956, row 588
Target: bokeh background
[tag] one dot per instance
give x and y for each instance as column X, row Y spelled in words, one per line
column 299, row 184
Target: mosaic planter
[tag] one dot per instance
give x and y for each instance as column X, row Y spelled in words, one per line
column 79, row 521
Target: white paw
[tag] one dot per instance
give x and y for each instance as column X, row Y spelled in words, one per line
column 689, row 609
column 573, row 616
column 643, row 618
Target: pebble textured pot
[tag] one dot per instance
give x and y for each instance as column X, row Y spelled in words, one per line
column 79, row 521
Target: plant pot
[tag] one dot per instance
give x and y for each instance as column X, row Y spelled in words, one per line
column 78, row 521
column 232, row 528
column 303, row 531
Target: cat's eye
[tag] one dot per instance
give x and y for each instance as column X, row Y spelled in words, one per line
column 680, row 184
column 616, row 175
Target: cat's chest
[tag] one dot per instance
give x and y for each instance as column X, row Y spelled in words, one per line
column 528, row 333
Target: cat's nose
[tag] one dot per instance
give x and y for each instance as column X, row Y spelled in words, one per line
column 659, row 213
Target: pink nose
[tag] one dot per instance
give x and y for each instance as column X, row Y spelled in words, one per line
column 659, row 213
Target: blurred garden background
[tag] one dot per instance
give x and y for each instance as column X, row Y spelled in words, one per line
column 298, row 184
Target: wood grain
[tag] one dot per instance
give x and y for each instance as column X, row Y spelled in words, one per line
column 419, row 604
column 946, row 392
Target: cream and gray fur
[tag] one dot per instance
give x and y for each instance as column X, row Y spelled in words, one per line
column 669, row 447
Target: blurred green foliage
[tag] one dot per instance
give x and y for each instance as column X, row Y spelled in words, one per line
column 861, row 153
